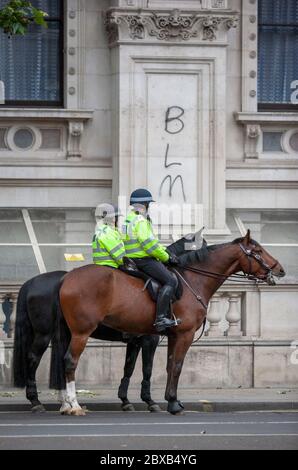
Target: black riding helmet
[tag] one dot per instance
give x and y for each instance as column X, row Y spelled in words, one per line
column 141, row 196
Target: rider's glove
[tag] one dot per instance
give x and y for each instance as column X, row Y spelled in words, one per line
column 173, row 260
column 129, row 264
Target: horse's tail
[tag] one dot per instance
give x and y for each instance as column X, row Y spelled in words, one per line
column 23, row 338
column 60, row 343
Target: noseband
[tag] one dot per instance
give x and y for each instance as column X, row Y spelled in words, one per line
column 251, row 254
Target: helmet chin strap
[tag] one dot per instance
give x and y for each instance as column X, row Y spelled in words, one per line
column 141, row 208
column 111, row 221
column 99, row 222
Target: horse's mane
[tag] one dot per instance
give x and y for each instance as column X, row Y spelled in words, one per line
column 188, row 257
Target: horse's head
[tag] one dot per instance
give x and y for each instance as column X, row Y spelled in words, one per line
column 256, row 261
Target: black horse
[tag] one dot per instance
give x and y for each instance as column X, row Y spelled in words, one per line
column 39, row 321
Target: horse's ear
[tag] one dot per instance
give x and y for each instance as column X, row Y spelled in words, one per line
column 190, row 237
column 247, row 238
column 194, row 240
column 198, row 234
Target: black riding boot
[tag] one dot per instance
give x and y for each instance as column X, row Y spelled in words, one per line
column 163, row 303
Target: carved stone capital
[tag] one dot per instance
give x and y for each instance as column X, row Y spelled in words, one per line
column 174, row 26
column 253, row 133
column 75, row 131
column 76, row 128
column 210, row 25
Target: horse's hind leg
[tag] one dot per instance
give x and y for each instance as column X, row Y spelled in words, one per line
column 39, row 345
column 74, row 351
column 149, row 345
column 132, row 352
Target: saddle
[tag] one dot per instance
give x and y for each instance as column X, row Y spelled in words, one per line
column 151, row 284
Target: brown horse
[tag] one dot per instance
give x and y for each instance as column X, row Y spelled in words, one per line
column 92, row 295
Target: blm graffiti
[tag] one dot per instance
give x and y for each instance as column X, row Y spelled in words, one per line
column 173, row 125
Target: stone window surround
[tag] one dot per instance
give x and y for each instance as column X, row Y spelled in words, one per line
column 74, row 57
column 72, row 117
column 250, row 56
column 256, row 123
column 71, row 120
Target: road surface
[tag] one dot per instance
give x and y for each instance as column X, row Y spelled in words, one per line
column 149, row 431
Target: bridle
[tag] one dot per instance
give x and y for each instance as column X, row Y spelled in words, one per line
column 269, row 269
column 239, row 278
column 249, row 253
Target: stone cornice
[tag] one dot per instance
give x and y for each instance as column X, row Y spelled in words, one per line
column 13, row 162
column 166, row 26
column 54, row 114
column 264, row 165
column 267, row 118
column 56, row 183
column 261, row 184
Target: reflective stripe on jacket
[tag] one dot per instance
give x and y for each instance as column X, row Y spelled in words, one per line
column 140, row 241
column 107, row 246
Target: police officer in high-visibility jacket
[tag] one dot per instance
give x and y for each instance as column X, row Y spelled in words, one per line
column 107, row 245
column 149, row 255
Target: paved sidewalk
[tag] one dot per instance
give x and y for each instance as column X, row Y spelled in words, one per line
column 208, row 400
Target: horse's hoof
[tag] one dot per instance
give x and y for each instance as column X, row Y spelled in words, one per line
column 128, row 407
column 154, row 408
column 38, row 409
column 77, row 412
column 175, row 407
column 66, row 411
column 179, row 413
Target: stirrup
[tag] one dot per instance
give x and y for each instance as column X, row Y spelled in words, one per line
column 161, row 325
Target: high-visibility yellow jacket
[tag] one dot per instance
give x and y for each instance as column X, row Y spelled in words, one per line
column 139, row 239
column 107, row 246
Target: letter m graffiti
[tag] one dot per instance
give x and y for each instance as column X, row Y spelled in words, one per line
column 171, row 185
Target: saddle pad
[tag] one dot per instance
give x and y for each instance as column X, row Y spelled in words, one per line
column 152, row 285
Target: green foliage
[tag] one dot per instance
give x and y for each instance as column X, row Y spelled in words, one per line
column 16, row 16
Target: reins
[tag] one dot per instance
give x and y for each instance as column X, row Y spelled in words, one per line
column 232, row 277
column 197, row 295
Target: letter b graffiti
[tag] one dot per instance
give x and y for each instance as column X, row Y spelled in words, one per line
column 174, row 117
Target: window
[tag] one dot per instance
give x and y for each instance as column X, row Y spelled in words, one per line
column 31, row 66
column 277, row 54
column 39, row 240
column 276, row 230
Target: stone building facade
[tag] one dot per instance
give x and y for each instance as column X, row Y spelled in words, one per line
column 189, row 98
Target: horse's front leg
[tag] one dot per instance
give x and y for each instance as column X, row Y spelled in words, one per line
column 149, row 345
column 178, row 346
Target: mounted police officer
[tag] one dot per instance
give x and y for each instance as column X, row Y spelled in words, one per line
column 149, row 255
column 107, row 245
